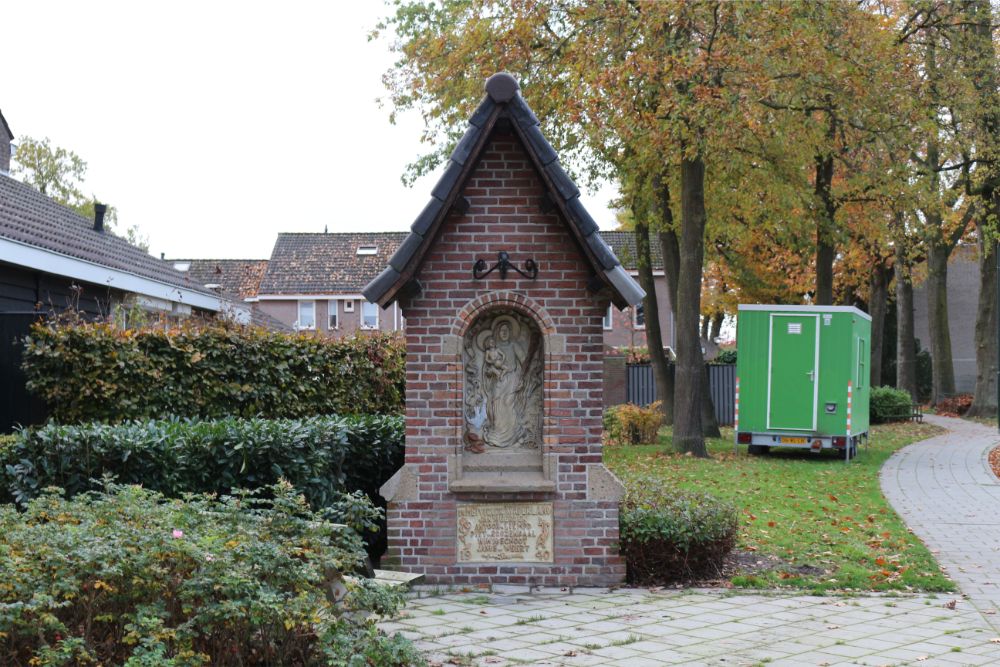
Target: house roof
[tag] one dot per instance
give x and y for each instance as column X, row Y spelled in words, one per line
column 327, row 263
column 29, row 218
column 503, row 99
column 237, row 278
column 623, row 243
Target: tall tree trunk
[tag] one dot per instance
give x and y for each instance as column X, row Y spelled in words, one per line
column 717, row 321
column 670, row 249
column 906, row 345
column 942, row 366
column 690, row 362
column 654, row 338
column 987, row 121
column 825, row 222
column 877, row 295
column 984, row 404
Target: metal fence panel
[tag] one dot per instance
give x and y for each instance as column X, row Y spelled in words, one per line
column 641, row 388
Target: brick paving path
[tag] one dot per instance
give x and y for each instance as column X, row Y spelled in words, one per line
column 639, row 627
column 946, row 492
column 942, row 487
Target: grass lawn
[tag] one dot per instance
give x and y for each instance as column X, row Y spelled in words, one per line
column 823, row 525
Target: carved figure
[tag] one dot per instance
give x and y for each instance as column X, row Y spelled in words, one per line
column 503, row 383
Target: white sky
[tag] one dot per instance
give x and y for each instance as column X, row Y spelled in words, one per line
column 213, row 125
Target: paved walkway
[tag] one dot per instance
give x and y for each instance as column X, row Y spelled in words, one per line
column 943, row 488
column 639, row 627
column 946, row 492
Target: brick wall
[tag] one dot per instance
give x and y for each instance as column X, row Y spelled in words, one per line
column 505, row 193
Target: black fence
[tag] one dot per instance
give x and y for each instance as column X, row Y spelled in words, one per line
column 17, row 406
column 640, row 388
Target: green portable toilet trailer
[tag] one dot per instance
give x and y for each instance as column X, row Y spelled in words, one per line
column 802, row 375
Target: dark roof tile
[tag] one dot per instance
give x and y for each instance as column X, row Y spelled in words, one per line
column 327, row 263
column 29, row 217
column 237, row 278
column 448, row 181
column 426, row 218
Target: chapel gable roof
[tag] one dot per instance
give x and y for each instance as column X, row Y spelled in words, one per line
column 503, row 100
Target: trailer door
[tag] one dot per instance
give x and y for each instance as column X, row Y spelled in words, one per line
column 793, row 372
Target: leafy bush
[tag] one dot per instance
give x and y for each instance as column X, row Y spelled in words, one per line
column 669, row 535
column 888, row 404
column 100, row 372
column 124, row 576
column 632, row 424
column 320, row 456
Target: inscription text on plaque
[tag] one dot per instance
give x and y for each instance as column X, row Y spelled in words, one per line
column 506, row 532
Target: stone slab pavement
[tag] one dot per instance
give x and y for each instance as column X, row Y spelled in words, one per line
column 942, row 487
column 638, row 627
column 947, row 494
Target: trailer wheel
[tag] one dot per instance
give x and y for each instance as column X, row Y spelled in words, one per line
column 757, row 450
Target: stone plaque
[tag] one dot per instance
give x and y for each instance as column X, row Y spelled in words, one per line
column 505, row 532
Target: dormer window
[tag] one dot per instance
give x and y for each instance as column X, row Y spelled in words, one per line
column 182, row 266
column 367, row 250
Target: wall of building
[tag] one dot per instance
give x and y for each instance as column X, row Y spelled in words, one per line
column 624, row 332
column 26, row 290
column 287, row 311
column 963, row 306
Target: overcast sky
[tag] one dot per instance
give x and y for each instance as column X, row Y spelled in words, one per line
column 213, row 126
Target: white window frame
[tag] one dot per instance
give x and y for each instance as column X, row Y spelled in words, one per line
column 332, row 315
column 635, row 317
column 609, row 319
column 348, row 305
column 365, row 304
column 298, row 321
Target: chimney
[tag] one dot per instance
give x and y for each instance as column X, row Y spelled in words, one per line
column 6, row 148
column 99, row 211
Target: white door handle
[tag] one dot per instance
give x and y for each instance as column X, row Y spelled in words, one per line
column 812, row 376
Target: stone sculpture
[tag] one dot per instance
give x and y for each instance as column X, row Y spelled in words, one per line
column 503, row 383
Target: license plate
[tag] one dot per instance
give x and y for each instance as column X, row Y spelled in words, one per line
column 792, row 441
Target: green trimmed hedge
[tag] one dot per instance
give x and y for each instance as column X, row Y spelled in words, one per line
column 887, row 404
column 127, row 577
column 320, row 456
column 100, row 372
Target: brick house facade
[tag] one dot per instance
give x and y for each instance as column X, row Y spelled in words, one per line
column 504, row 191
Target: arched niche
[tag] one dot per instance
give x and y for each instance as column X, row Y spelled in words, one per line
column 503, row 397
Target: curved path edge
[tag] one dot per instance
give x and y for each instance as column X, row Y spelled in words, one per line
column 947, row 494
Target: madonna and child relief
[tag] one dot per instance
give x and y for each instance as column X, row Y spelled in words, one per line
column 503, row 384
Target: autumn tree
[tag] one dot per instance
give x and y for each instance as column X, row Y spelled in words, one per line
column 59, row 174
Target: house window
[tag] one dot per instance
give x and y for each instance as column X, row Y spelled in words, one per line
column 639, row 316
column 369, row 315
column 609, row 319
column 334, row 316
column 367, row 250
column 307, row 315
column 348, row 306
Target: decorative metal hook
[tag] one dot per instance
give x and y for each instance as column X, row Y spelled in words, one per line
column 504, row 265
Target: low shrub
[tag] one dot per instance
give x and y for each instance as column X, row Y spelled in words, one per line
column 954, row 406
column 725, row 357
column 98, row 371
column 124, row 576
column 888, row 404
column 668, row 535
column 632, row 424
column 320, row 456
